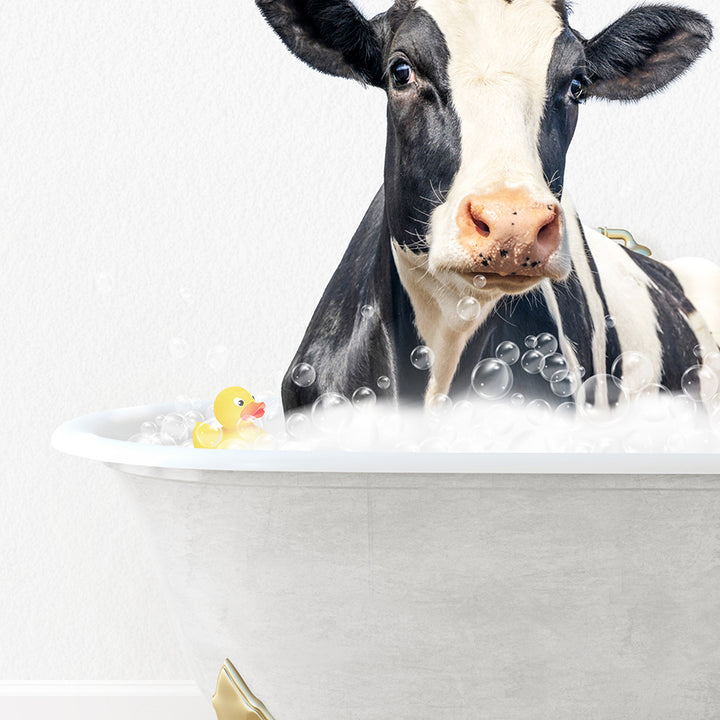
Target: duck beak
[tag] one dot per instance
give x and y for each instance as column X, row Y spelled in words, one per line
column 253, row 410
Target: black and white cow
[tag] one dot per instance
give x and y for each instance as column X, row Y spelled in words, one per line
column 483, row 100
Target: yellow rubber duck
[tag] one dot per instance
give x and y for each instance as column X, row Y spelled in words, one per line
column 235, row 409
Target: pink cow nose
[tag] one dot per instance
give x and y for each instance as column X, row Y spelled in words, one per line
column 509, row 232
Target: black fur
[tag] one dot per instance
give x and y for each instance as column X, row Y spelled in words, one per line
column 561, row 114
column 673, row 309
column 422, row 153
column 644, row 50
column 329, row 35
column 349, row 350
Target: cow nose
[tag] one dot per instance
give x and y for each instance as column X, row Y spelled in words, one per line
column 509, row 232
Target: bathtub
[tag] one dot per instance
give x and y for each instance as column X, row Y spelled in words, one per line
column 425, row 585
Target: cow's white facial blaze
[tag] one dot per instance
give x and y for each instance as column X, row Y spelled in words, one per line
column 499, row 57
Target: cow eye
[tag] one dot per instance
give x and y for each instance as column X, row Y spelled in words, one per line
column 576, row 91
column 402, row 73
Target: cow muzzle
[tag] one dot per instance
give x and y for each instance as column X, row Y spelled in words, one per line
column 509, row 233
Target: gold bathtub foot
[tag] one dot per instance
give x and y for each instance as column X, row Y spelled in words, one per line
column 233, row 700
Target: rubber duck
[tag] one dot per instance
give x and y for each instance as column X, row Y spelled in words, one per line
column 235, row 409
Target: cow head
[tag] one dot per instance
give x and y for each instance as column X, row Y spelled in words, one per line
column 483, row 99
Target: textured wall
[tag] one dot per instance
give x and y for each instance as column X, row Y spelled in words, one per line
column 168, row 171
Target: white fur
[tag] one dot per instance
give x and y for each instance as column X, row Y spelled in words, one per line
column 627, row 294
column 585, row 276
column 566, row 347
column 499, row 57
column 435, row 301
column 700, row 279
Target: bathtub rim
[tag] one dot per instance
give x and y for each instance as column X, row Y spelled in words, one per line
column 95, row 437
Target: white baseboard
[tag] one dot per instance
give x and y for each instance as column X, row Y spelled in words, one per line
column 109, row 702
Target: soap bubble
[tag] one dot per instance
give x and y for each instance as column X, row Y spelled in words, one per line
column 517, row 400
column 440, row 404
column 581, row 371
column 609, row 322
column 383, row 382
column 633, row 371
column 148, row 428
column 367, row 311
column 174, row 426
column 566, row 411
column 479, row 281
column 209, row 434
column 273, row 421
column 684, row 409
column 422, row 357
column 653, row 403
column 303, row 375
column 492, row 379
column 218, row 358
column 469, row 309
column 364, row 398
column 508, row 352
column 567, row 386
column 555, row 368
column 192, row 418
column 600, row 399
column 698, row 352
column 159, row 420
column 532, row 362
column 331, row 412
column 298, row 426
column 547, row 343
column 178, row 348
column 463, row 412
column 538, row 411
column 699, row 382
column 104, row 283
column 531, row 342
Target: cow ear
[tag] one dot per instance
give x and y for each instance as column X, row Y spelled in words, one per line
column 644, row 50
column 329, row 35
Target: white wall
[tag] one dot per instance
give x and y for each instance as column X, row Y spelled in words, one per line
column 168, row 170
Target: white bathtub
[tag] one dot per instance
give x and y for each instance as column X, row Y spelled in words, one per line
column 422, row 586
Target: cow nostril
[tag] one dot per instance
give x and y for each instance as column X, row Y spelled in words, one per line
column 482, row 227
column 549, row 233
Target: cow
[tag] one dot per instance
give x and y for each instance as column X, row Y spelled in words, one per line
column 482, row 103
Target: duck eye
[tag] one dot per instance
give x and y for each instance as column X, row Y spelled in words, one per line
column 402, row 73
column 576, row 91
column 239, row 402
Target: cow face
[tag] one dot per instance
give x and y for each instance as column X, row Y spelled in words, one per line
column 483, row 100
column 482, row 104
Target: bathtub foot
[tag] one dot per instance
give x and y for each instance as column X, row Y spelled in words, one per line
column 233, row 700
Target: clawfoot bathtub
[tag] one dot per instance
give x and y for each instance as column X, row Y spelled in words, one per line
column 418, row 586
